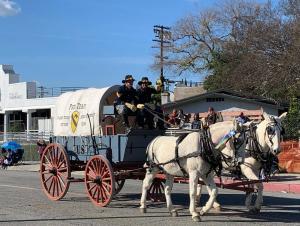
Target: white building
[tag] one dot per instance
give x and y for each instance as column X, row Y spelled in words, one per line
column 22, row 108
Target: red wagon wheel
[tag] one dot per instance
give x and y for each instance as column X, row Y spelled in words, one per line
column 55, row 171
column 99, row 180
column 156, row 191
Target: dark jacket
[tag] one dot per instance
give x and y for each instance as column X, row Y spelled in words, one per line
column 127, row 95
column 144, row 95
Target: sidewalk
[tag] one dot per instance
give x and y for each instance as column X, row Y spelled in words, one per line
column 284, row 182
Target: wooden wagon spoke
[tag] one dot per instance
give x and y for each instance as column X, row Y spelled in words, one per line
column 61, row 180
column 92, row 167
column 92, row 175
column 103, row 169
column 46, row 172
column 95, row 191
column 101, row 195
column 47, row 166
column 58, row 185
column 106, row 185
column 98, row 196
column 51, row 158
column 51, row 183
column 45, row 156
column 106, row 173
column 55, row 155
column 62, row 175
column 104, row 193
column 106, row 179
column 92, row 187
column 63, row 169
column 52, row 189
column 47, row 179
column 61, row 163
column 105, row 189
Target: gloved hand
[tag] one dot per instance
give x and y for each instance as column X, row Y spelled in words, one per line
column 140, row 106
column 132, row 107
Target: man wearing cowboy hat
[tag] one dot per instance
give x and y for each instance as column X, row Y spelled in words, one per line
column 144, row 94
column 127, row 95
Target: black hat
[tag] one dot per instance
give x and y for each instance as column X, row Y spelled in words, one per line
column 145, row 80
column 127, row 78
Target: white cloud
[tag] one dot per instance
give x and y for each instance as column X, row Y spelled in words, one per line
column 9, row 8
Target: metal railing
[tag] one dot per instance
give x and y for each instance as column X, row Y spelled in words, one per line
column 43, row 91
column 24, row 138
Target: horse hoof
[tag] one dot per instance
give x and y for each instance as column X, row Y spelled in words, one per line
column 143, row 210
column 174, row 213
column 254, row 211
column 201, row 212
column 196, row 218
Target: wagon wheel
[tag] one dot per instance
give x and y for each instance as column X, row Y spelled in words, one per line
column 99, row 180
column 119, row 185
column 156, row 191
column 55, row 171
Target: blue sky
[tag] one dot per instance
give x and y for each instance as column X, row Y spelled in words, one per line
column 90, row 43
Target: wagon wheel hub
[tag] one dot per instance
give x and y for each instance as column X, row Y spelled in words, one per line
column 53, row 171
column 98, row 180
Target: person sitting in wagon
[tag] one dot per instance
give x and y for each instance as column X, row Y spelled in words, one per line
column 127, row 96
column 196, row 123
column 242, row 118
column 173, row 119
column 144, row 94
column 211, row 117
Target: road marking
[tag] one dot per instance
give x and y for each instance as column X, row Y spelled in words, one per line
column 29, row 188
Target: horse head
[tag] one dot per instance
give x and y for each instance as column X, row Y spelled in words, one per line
column 269, row 132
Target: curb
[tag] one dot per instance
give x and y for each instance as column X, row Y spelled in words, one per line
column 282, row 187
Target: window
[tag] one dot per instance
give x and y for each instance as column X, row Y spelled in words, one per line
column 214, row 99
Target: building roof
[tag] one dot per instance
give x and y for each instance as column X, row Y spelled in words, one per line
column 226, row 93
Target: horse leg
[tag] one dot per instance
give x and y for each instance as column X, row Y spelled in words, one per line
column 251, row 175
column 216, row 205
column 149, row 176
column 213, row 192
column 168, row 190
column 198, row 194
column 193, row 181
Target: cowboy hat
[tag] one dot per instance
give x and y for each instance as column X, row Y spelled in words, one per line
column 128, row 78
column 145, row 80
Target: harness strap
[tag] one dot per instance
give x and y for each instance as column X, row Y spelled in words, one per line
column 178, row 141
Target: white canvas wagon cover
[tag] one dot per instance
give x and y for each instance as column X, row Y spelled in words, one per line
column 77, row 112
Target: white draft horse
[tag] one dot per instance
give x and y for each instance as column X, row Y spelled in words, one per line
column 162, row 150
column 264, row 140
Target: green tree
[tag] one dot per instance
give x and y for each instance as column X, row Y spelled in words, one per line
column 292, row 121
column 244, row 45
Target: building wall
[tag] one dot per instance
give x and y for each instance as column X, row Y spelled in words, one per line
column 202, row 105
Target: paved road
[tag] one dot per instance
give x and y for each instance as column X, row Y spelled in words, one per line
column 23, row 203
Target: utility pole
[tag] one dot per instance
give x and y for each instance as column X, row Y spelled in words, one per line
column 162, row 35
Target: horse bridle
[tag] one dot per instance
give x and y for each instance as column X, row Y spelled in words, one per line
column 270, row 129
